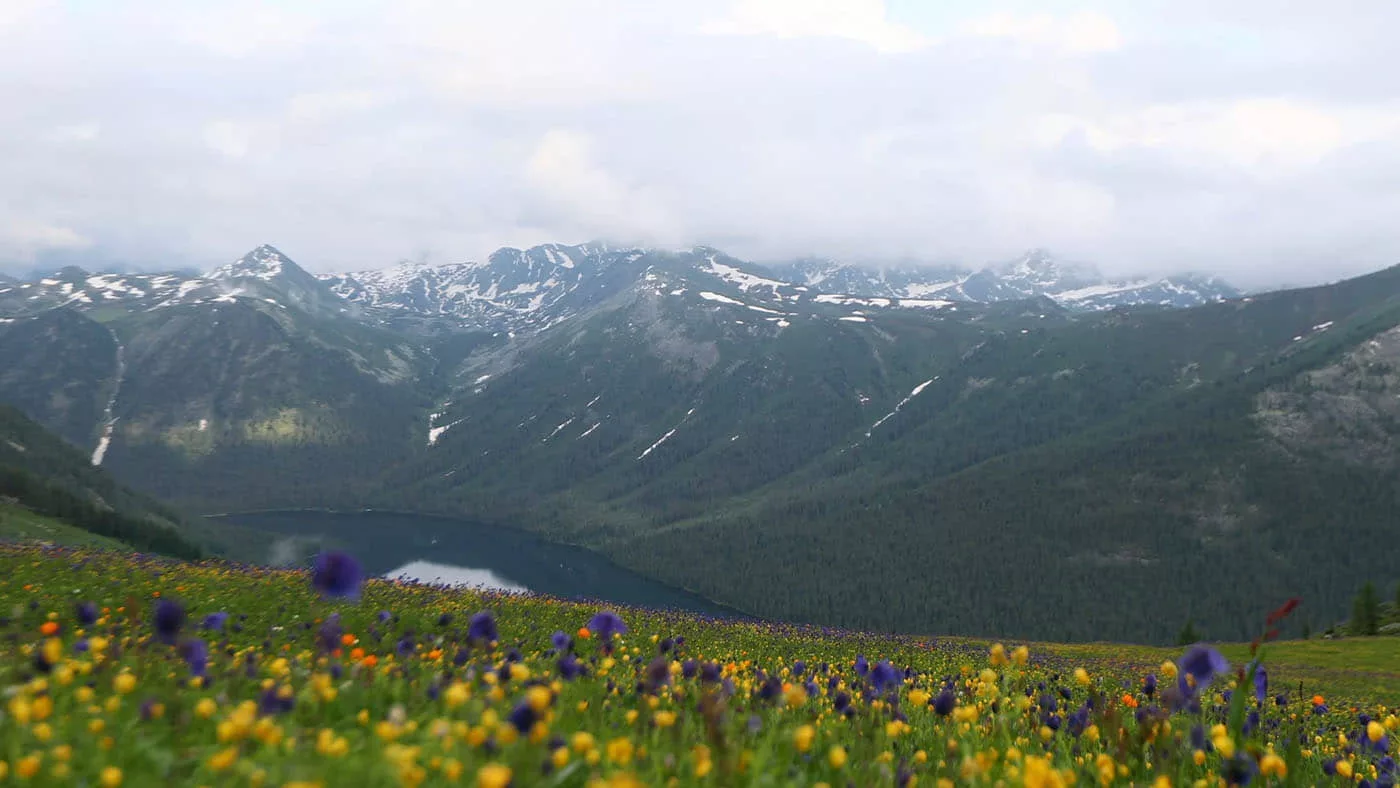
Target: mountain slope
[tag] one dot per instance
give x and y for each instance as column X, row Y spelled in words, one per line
column 1036, row 274
column 183, row 398
column 873, row 460
column 1118, row 454
column 41, row 473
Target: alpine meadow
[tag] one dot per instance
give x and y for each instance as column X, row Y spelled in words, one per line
column 725, row 393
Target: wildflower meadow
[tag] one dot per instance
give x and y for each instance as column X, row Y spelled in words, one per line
column 127, row 669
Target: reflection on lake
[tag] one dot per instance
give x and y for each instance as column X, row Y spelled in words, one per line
column 446, row 574
column 439, row 549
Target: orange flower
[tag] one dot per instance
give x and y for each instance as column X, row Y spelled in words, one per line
column 348, row 639
column 1318, row 700
column 370, row 661
column 435, row 654
column 1130, row 701
column 584, row 634
column 49, row 627
column 357, row 654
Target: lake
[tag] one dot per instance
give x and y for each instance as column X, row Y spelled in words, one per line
column 444, row 550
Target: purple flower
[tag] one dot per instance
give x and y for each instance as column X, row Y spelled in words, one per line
column 884, row 676
column 195, row 653
column 1202, row 663
column 1261, row 683
column 944, row 703
column 658, row 674
column 168, row 619
column 523, row 717
column 329, row 633
column 1149, row 686
column 482, row 627
column 862, row 666
column 86, row 613
column 272, row 702
column 561, row 641
column 841, row 701
column 215, row 621
column 798, row 667
column 605, row 624
column 569, row 667
column 338, row 575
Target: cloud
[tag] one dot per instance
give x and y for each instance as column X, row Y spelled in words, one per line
column 1078, row 33
column 865, row 21
column 1257, row 141
column 563, row 174
column 26, row 238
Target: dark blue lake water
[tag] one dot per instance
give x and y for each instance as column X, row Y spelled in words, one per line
column 444, row 550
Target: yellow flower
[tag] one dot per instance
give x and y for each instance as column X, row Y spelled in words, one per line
column 664, row 719
column 582, row 742
column 205, row 708
column 1273, row 766
column 451, row 768
column 1344, row 769
column 28, row 766
column 1375, row 731
column 1168, row 670
column 493, row 775
column 803, row 737
column 620, row 751
column 111, row 777
column 1021, row 656
column 998, row 655
column 795, row 695
column 223, row 759
column 1040, row 774
column 539, row 698
column 836, row 757
column 1082, row 676
column 124, row 683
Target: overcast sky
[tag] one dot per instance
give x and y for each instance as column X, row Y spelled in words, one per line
column 1257, row 139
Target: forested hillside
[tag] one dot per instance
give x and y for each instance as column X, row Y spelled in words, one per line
column 43, row 474
column 867, row 461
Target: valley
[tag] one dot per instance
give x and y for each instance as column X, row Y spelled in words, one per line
column 806, row 441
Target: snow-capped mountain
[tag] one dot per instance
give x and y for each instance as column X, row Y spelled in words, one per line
column 1037, row 273
column 511, row 289
column 264, row 275
column 531, row 289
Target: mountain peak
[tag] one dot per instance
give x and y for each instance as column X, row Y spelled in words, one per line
column 265, row 262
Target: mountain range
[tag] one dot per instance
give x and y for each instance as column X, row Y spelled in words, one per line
column 1026, row 449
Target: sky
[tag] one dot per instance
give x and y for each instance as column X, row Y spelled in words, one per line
column 1255, row 139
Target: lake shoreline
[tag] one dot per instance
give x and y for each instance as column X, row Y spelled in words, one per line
column 460, row 525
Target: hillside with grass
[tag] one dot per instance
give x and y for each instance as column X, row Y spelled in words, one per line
column 50, row 489
column 132, row 670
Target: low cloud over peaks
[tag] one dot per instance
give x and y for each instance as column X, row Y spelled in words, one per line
column 1257, row 141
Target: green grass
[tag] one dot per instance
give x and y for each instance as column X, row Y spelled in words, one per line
column 20, row 524
column 393, row 689
column 1349, row 669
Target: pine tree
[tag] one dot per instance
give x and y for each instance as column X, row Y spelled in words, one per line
column 1365, row 611
column 1188, row 635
